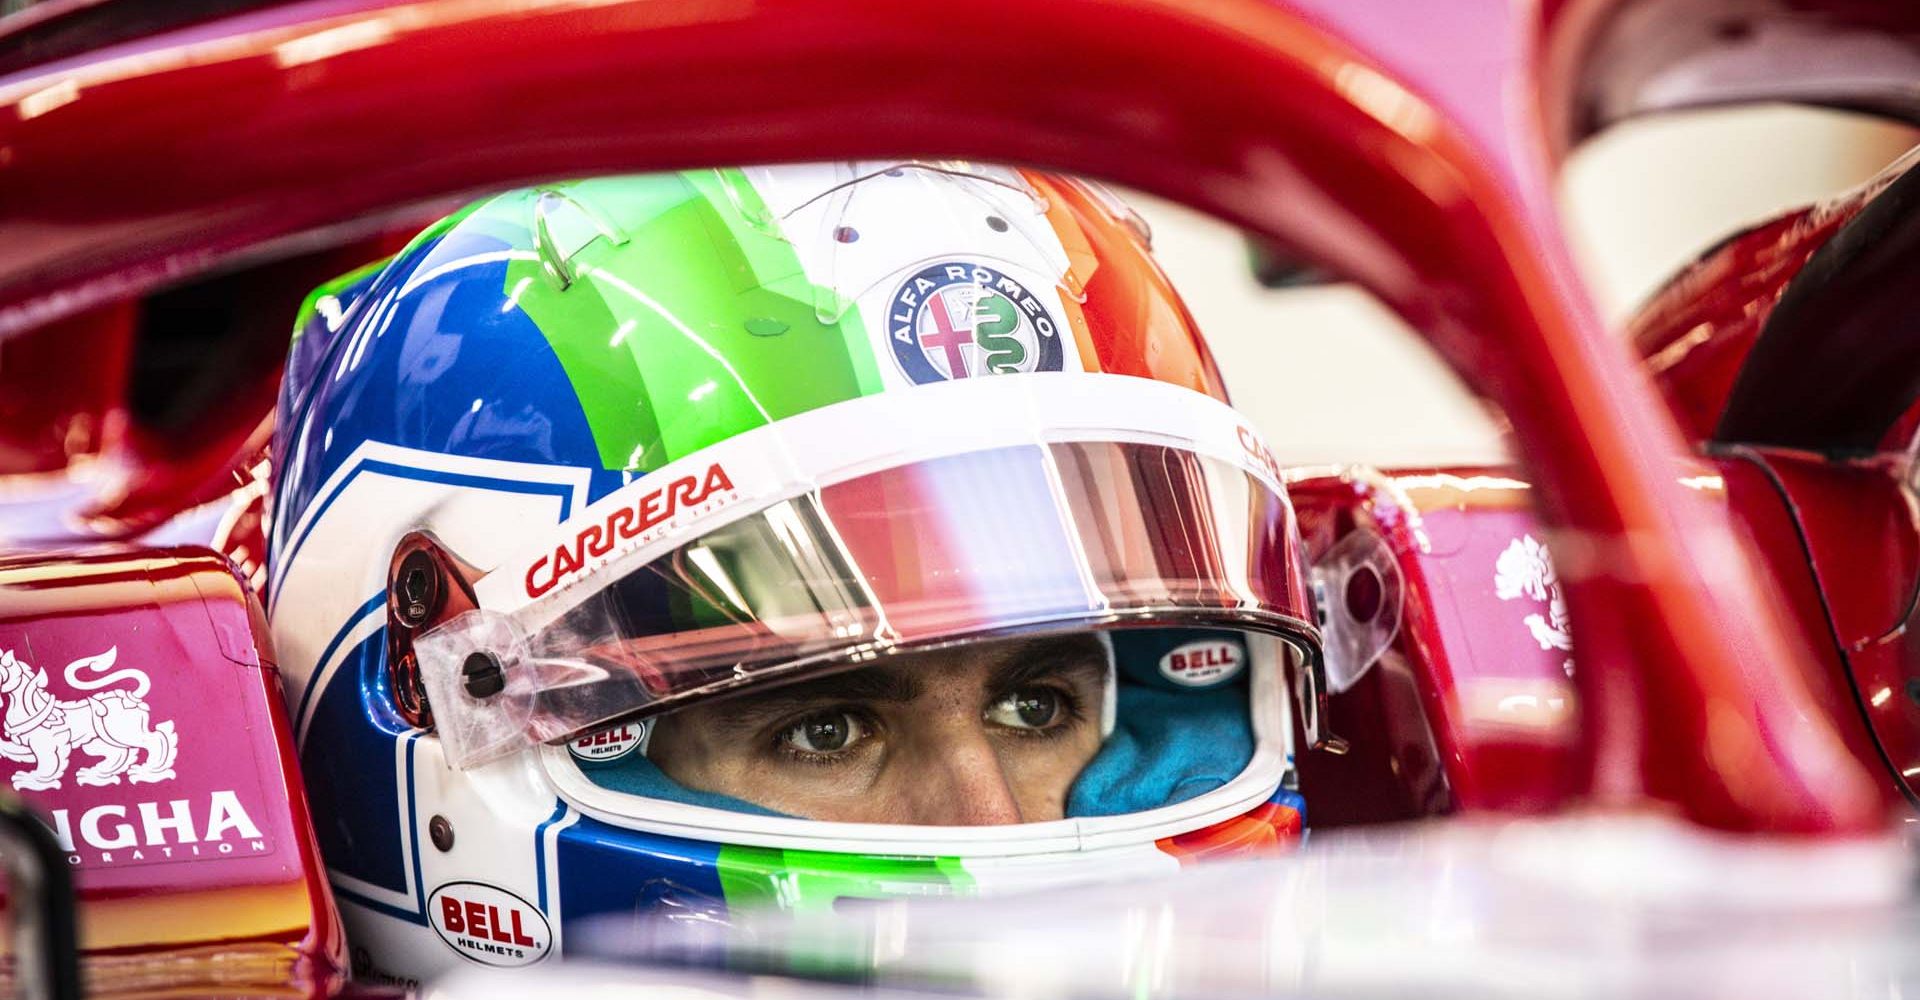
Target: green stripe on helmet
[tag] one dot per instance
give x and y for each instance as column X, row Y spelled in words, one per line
column 689, row 323
column 311, row 304
column 812, row 880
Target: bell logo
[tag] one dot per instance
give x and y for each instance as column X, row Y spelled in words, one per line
column 1199, row 663
column 612, row 743
column 489, row 925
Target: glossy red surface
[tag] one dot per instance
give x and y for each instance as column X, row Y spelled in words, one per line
column 195, row 863
column 79, row 458
column 1472, row 709
column 46, row 432
column 1696, row 332
column 240, row 138
column 1860, row 533
column 1468, row 710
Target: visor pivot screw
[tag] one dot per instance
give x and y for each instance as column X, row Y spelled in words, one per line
column 418, row 595
column 1364, row 593
column 441, row 832
column 482, row 675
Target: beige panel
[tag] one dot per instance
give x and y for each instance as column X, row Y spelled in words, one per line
column 1327, row 374
column 1645, row 198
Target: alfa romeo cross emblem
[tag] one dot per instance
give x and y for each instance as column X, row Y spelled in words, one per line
column 958, row 319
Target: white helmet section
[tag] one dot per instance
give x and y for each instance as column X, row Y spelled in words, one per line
column 328, row 599
column 884, row 236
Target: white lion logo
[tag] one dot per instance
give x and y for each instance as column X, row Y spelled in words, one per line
column 1524, row 570
column 113, row 726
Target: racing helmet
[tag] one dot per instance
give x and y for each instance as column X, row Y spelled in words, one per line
column 585, row 457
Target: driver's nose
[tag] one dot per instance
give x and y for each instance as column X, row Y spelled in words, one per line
column 962, row 784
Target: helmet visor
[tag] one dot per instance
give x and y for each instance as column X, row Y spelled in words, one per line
column 992, row 542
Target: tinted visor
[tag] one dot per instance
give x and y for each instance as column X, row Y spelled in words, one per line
column 1003, row 541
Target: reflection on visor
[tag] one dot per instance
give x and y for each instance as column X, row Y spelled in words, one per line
column 983, row 543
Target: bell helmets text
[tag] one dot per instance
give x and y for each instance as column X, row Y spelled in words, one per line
column 625, row 523
column 1199, row 663
column 612, row 743
column 488, row 924
column 177, row 829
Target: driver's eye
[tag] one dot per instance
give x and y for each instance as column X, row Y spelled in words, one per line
column 1028, row 708
column 825, row 732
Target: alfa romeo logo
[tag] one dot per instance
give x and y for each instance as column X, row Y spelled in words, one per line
column 961, row 320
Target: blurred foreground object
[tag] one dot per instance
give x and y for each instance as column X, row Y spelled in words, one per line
column 1574, row 907
column 44, row 947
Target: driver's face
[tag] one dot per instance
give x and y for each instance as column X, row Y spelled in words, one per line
column 986, row 734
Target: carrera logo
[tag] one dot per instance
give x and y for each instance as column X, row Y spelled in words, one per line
column 612, row 744
column 639, row 521
column 489, row 925
column 1256, row 449
column 1199, row 663
column 157, row 831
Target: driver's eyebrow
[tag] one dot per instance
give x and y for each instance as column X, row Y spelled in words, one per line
column 887, row 684
column 1067, row 659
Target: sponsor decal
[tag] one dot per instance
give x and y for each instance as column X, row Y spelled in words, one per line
column 956, row 319
column 1203, row 662
column 651, row 515
column 170, row 830
column 1256, row 450
column 111, row 748
column 1523, row 570
column 488, row 924
column 612, row 743
column 366, row 971
column 114, row 727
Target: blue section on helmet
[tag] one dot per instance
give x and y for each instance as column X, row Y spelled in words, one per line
column 609, row 871
column 636, row 775
column 436, row 365
column 350, row 774
column 1293, row 800
column 314, row 341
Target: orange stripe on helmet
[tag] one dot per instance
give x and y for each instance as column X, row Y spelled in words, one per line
column 1129, row 320
column 1271, row 827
